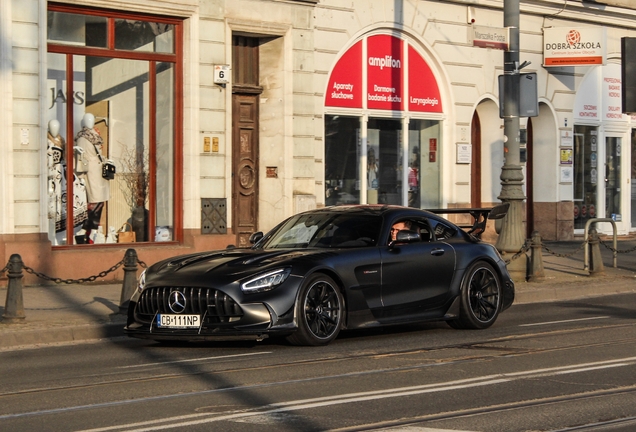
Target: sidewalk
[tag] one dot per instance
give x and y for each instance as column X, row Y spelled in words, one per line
column 67, row 313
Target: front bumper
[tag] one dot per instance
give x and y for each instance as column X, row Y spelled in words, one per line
column 220, row 315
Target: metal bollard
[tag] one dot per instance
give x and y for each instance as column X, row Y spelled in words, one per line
column 130, row 279
column 14, row 305
column 536, row 273
column 596, row 260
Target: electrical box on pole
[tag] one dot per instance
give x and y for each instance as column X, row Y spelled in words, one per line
column 528, row 94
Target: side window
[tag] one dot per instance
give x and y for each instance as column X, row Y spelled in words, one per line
column 443, row 231
column 424, row 230
column 420, row 226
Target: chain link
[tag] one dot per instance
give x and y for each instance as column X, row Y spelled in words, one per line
column 72, row 281
column 617, row 250
column 524, row 249
column 564, row 255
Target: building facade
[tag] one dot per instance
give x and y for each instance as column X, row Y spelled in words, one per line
column 221, row 118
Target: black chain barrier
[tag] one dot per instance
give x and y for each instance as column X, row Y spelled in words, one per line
column 75, row 281
column 564, row 255
column 617, row 250
column 525, row 248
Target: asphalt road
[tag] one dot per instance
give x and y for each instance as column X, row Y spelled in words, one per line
column 543, row 366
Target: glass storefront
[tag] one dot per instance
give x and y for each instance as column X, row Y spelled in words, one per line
column 342, row 136
column 394, row 153
column 424, row 164
column 613, row 178
column 387, row 172
column 384, row 161
column 111, row 108
column 585, row 174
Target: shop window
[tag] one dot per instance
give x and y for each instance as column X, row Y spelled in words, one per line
column 586, row 174
column 613, row 156
column 424, row 183
column 341, row 160
column 77, row 29
column 384, row 161
column 113, row 88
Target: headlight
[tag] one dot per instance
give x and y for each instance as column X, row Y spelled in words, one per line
column 266, row 281
column 142, row 281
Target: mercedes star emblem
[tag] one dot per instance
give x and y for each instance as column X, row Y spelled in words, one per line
column 176, row 302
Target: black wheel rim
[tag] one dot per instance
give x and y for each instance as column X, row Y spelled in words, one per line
column 484, row 295
column 322, row 310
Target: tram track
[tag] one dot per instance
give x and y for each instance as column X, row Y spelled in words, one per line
column 501, row 408
column 481, row 347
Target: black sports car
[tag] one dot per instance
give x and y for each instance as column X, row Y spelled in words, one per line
column 322, row 271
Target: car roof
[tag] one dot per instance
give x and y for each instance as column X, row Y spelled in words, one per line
column 383, row 210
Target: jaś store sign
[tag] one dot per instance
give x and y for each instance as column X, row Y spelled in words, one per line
column 568, row 46
column 388, row 63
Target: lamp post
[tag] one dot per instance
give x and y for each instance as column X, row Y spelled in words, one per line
column 511, row 236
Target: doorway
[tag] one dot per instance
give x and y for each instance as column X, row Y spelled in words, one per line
column 244, row 166
column 245, row 138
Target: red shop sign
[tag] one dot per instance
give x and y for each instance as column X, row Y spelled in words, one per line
column 345, row 82
column 385, row 66
column 423, row 90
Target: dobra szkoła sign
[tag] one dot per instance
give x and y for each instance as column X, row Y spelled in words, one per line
column 388, row 66
column 566, row 46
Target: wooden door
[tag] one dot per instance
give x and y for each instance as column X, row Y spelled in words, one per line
column 244, row 167
column 475, row 167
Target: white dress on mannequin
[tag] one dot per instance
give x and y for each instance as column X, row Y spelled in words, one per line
column 89, row 140
column 57, row 183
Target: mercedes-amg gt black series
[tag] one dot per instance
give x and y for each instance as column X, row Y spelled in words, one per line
column 322, row 271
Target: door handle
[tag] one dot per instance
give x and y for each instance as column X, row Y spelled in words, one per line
column 437, row 252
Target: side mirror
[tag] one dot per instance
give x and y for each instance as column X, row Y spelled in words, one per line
column 255, row 237
column 405, row 236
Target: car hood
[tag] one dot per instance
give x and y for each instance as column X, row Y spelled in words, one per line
column 231, row 263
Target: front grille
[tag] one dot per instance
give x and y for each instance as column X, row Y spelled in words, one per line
column 219, row 306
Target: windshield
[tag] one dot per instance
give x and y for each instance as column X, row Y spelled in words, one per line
column 325, row 230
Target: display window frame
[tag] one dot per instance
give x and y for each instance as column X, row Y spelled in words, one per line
column 175, row 59
column 357, row 88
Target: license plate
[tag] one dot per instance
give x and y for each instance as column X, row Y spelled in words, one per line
column 178, row 321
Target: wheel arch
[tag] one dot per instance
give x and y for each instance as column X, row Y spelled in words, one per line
column 327, row 271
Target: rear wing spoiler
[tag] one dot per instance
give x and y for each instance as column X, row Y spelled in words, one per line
column 480, row 216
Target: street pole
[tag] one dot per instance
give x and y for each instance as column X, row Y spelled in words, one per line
column 511, row 236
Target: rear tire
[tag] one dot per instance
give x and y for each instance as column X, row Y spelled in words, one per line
column 319, row 311
column 480, row 297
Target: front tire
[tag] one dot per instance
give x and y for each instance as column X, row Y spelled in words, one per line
column 480, row 297
column 319, row 312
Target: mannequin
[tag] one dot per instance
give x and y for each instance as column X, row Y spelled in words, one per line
column 97, row 188
column 57, row 181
